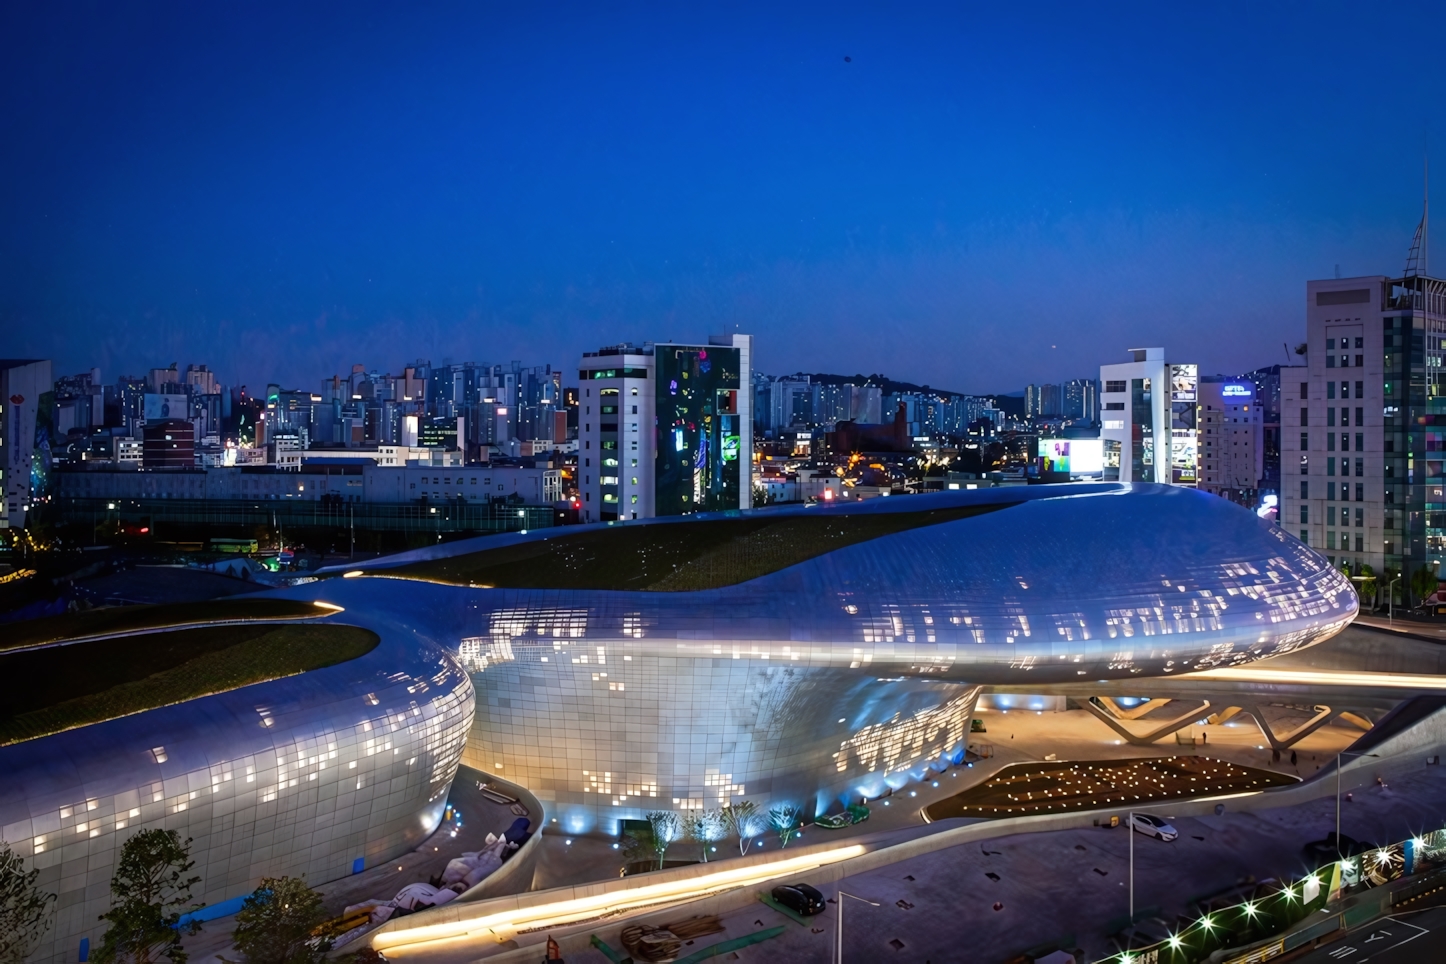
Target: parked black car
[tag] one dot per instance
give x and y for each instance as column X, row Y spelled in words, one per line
column 800, row 898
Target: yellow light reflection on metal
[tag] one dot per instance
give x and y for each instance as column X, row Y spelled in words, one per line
column 1246, row 674
column 503, row 925
column 352, row 574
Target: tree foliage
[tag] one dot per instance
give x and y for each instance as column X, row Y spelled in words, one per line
column 149, row 892
column 25, row 910
column 742, row 821
column 1367, row 585
column 1423, row 583
column 704, row 826
column 638, row 844
column 784, row 820
column 275, row 924
column 665, row 829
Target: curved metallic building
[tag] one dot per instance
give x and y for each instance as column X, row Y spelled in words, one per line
column 859, row 667
column 317, row 774
column 831, row 651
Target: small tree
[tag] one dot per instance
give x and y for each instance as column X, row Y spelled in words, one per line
column 742, row 821
column 784, row 820
column 1423, row 583
column 637, row 844
column 1367, row 584
column 274, row 925
column 665, row 829
column 704, row 826
column 148, row 892
column 25, row 911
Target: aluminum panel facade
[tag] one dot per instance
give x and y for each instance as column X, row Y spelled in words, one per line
column 301, row 775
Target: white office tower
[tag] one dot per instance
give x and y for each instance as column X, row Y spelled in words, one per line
column 1149, row 417
column 665, row 429
column 21, row 385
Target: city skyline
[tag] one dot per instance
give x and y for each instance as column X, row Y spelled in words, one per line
column 304, row 190
column 620, row 482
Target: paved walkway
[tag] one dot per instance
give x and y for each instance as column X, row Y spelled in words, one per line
column 1434, row 628
column 1017, row 736
column 941, row 907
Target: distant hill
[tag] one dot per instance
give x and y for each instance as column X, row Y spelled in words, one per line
column 888, row 385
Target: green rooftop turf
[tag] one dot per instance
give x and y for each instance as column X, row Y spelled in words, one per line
column 675, row 556
column 129, row 619
column 55, row 688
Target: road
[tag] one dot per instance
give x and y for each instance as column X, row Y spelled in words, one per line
column 1007, row 894
column 1407, row 939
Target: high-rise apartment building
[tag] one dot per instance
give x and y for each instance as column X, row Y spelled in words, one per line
column 22, row 382
column 1364, row 428
column 665, row 429
column 1050, row 401
column 1231, row 439
column 1150, row 419
column 1081, row 399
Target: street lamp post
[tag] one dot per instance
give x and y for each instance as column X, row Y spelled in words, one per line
column 1130, row 825
column 1391, row 601
column 1338, row 795
column 838, row 937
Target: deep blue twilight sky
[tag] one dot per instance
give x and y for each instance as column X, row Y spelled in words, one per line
column 981, row 198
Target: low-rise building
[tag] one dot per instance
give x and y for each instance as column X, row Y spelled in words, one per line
column 169, row 444
column 357, row 482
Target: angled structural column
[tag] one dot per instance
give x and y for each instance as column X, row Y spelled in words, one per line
column 1120, row 713
column 1149, row 736
column 1286, row 741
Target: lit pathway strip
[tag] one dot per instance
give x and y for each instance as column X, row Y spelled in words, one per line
column 1238, row 674
column 504, row 925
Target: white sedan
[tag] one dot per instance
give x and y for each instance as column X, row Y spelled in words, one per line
column 1152, row 826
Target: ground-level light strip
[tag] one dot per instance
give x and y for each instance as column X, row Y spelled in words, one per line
column 504, row 925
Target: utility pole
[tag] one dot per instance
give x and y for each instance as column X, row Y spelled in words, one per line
column 838, row 942
column 1338, row 796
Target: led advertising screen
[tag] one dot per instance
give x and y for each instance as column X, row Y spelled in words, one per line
column 1184, row 382
column 158, row 408
column 1077, row 457
column 1053, row 456
column 1183, row 458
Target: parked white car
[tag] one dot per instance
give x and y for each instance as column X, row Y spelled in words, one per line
column 1152, row 826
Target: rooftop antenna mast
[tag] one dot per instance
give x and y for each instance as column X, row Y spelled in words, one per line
column 1417, row 260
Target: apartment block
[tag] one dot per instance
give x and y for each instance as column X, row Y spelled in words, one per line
column 1363, row 433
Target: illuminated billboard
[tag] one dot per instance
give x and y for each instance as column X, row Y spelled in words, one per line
column 1184, row 458
column 1076, row 457
column 1240, row 390
column 158, row 408
column 1184, row 382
